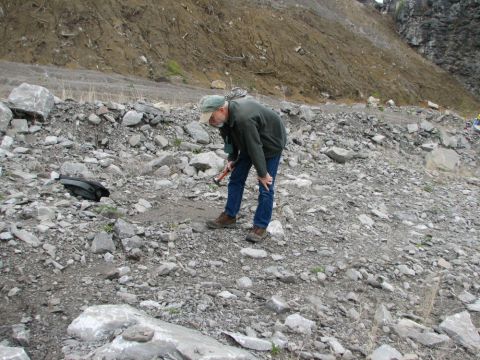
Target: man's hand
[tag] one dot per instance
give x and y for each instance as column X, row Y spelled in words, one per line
column 266, row 181
column 230, row 165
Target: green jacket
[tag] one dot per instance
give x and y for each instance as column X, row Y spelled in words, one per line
column 255, row 130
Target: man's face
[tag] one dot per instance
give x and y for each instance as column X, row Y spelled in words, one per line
column 218, row 118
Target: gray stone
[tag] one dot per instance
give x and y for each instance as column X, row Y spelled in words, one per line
column 123, row 229
column 197, row 132
column 275, row 229
column 51, row 140
column 5, row 117
column 166, row 268
column 25, row 236
column 20, row 334
column 254, row 253
column 378, row 139
column 99, row 323
column 164, row 158
column 299, row 324
column 339, row 155
column 429, row 146
column 148, row 109
column 135, row 242
column 278, row 305
column 249, row 342
column 244, row 282
column 75, row 169
column 132, row 118
column 427, row 126
column 138, row 333
column 7, row 142
column 442, row 159
column 466, row 297
column 461, row 329
column 334, row 344
column 12, row 353
column 135, row 140
column 161, row 141
column 102, row 243
column 412, row 128
column 20, row 126
column 383, row 316
column 475, row 306
column 208, row 160
column 31, row 99
column 385, row 352
column 94, row 119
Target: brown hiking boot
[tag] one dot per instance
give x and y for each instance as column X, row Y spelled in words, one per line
column 222, row 221
column 257, row 234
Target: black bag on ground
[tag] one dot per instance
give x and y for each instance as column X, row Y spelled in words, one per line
column 87, row 189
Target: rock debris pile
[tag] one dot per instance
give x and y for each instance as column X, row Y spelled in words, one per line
column 373, row 249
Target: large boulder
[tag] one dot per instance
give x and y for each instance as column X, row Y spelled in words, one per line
column 32, row 100
column 206, row 161
column 128, row 333
column 442, row 159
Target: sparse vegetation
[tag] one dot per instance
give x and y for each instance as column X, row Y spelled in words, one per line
column 318, row 269
column 108, row 211
column 108, row 228
column 428, row 188
column 276, row 350
column 177, row 142
column 174, row 69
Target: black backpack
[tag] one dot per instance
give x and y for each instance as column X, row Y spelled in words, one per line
column 87, row 189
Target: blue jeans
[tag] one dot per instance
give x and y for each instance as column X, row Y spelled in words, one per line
column 236, row 185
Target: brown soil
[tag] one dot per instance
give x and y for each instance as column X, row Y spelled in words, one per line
column 337, row 47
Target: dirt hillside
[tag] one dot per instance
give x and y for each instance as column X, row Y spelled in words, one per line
column 303, row 52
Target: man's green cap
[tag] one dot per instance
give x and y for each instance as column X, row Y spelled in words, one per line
column 208, row 104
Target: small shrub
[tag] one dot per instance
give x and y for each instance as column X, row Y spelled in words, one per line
column 177, row 142
column 173, row 310
column 318, row 269
column 428, row 188
column 275, row 350
column 173, row 68
column 108, row 228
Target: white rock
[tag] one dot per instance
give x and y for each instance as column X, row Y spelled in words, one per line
column 386, row 352
column 461, row 329
column 12, row 353
column 254, row 253
column 299, row 324
column 275, row 229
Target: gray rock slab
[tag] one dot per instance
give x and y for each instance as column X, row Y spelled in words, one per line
column 475, row 306
column 148, row 109
column 20, row 126
column 277, row 304
column 166, row 268
column 31, row 99
column 132, row 118
column 461, row 329
column 299, row 324
column 12, row 353
column 75, row 169
column 254, row 253
column 442, row 159
column 26, row 236
column 102, row 243
column 386, row 352
column 197, row 132
column 123, row 229
column 98, row 323
column 339, row 155
column 208, row 160
column 249, row 342
column 6, row 116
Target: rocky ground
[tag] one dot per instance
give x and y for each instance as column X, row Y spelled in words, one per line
column 373, row 248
